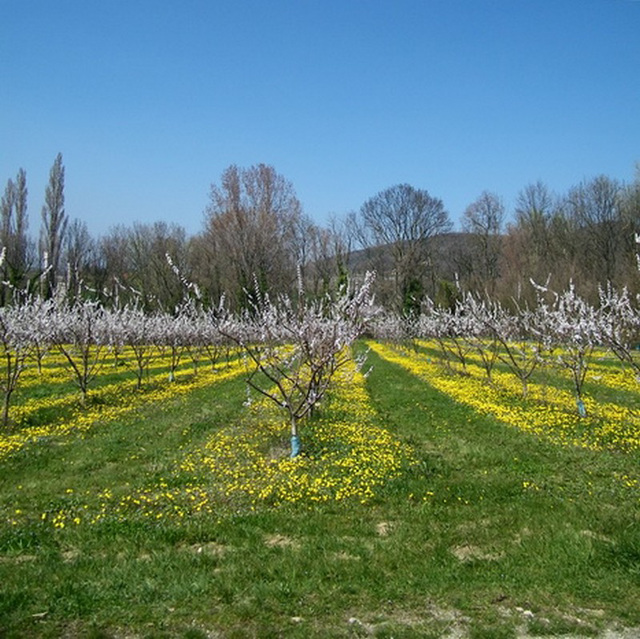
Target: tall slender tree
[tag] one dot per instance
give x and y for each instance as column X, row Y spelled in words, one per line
column 13, row 232
column 54, row 225
column 7, row 205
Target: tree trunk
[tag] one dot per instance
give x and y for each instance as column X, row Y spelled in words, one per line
column 296, row 446
column 5, row 411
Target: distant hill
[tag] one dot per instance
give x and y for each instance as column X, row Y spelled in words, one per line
column 447, row 252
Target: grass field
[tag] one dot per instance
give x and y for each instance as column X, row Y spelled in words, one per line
column 427, row 504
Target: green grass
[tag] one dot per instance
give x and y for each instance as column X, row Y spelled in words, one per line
column 491, row 533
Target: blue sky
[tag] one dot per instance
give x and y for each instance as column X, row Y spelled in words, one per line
column 149, row 101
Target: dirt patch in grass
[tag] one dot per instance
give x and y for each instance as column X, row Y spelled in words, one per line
column 281, row 541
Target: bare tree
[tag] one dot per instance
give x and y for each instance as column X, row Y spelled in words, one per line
column 54, row 224
column 596, row 208
column 133, row 265
column 528, row 242
column 535, row 206
column 148, row 246
column 251, row 231
column 114, row 267
column 328, row 249
column 404, row 219
column 631, row 215
column 79, row 254
column 585, row 236
column 484, row 220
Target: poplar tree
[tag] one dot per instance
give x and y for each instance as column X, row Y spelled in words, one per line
column 13, row 233
column 54, row 225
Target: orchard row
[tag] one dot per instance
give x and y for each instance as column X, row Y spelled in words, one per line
column 294, row 346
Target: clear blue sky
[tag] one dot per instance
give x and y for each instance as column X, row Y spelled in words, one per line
column 149, row 101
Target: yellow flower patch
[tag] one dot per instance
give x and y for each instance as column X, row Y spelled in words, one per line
column 113, row 402
column 346, row 456
column 547, row 411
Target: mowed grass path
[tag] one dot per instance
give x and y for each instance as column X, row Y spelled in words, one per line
column 535, row 525
column 489, row 532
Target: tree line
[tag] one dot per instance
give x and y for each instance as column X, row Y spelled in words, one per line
column 256, row 237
